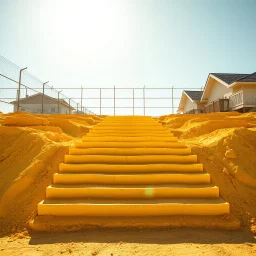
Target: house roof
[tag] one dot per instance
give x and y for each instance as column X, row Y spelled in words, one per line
column 63, row 102
column 230, row 78
column 194, row 95
column 191, row 95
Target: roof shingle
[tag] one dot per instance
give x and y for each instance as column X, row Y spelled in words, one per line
column 194, row 95
column 230, row 78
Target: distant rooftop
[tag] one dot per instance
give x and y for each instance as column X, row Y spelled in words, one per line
column 194, row 95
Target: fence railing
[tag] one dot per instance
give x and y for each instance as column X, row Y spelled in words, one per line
column 236, row 99
column 220, row 105
column 19, row 90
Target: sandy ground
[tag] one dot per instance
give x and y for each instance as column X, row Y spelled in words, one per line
column 132, row 242
column 224, row 142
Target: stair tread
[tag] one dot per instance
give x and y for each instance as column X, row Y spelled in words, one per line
column 110, row 186
column 135, row 201
column 133, row 174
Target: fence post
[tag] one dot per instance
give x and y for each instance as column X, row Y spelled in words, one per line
column 77, row 108
column 69, row 104
column 81, row 99
column 59, row 101
column 144, row 103
column 43, row 97
column 18, row 105
column 100, row 101
column 133, row 101
column 114, row 100
column 172, row 102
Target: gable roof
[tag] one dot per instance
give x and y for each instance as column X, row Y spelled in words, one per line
column 230, row 78
column 191, row 95
column 249, row 78
column 194, row 95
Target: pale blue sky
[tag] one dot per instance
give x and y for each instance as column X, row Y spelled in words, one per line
column 129, row 43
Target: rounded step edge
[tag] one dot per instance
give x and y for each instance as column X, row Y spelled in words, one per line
column 150, row 207
column 129, row 151
column 131, row 191
column 143, row 159
column 131, row 179
column 108, row 144
column 136, row 168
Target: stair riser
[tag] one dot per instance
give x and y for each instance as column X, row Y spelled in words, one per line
column 132, row 210
column 128, row 134
column 130, row 144
column 129, row 151
column 136, row 179
column 142, row 193
column 128, row 125
column 129, row 128
column 128, row 139
column 79, row 159
column 154, row 168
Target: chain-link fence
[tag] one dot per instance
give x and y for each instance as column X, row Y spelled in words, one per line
column 19, row 90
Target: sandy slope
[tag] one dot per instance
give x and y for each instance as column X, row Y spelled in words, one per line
column 225, row 144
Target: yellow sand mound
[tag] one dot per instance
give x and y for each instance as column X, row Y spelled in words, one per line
column 31, row 148
column 226, row 144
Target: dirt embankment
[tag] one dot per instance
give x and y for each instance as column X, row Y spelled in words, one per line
column 226, row 144
column 31, row 148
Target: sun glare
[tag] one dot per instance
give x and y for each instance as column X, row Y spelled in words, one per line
column 91, row 28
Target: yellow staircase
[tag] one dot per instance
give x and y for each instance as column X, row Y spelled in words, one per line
column 131, row 171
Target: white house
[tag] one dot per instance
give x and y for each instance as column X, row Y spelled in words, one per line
column 222, row 92
column 190, row 102
column 239, row 90
column 33, row 104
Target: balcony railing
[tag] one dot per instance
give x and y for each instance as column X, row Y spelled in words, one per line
column 242, row 99
column 236, row 100
column 220, row 105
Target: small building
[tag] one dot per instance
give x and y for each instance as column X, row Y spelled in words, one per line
column 229, row 92
column 33, row 104
column 190, row 102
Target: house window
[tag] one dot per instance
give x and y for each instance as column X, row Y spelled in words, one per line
column 52, row 110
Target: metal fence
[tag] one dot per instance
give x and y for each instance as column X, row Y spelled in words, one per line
column 19, row 90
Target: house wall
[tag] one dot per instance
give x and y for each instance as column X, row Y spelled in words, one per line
column 218, row 91
column 34, row 105
column 36, row 108
column 189, row 105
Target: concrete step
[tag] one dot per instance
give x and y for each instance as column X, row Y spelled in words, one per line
column 129, row 139
column 144, row 159
column 129, row 151
column 127, row 144
column 129, row 133
column 135, row 178
column 131, row 191
column 136, row 168
column 122, row 124
column 132, row 207
column 134, row 128
column 57, row 223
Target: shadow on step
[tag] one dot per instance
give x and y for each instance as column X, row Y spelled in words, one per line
column 143, row 236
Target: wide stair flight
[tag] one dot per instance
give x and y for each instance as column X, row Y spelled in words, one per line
column 131, row 171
